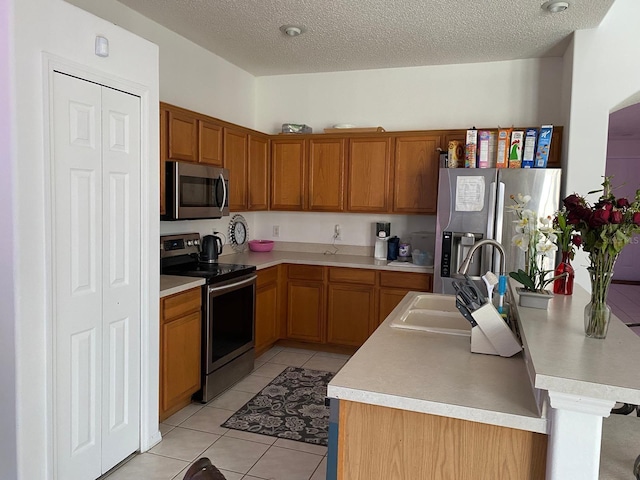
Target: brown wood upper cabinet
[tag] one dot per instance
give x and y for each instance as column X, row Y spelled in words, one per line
column 246, row 155
column 210, row 143
column 369, row 174
column 235, row 159
column 326, row 174
column 415, row 185
column 288, row 171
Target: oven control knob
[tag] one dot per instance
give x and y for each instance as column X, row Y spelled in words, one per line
column 196, row 242
column 189, row 243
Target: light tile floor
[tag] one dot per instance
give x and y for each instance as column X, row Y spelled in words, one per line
column 624, row 301
column 195, row 432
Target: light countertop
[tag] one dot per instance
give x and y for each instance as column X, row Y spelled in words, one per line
column 437, row 374
column 170, row 284
column 562, row 359
column 276, row 257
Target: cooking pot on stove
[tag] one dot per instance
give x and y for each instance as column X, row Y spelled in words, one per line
column 211, row 248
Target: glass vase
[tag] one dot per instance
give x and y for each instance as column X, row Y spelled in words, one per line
column 564, row 285
column 597, row 313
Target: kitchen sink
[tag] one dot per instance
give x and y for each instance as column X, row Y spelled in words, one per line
column 433, row 313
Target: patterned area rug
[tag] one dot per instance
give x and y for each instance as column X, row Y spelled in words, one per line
column 291, row 406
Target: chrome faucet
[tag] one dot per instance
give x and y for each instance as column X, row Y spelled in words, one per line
column 464, row 267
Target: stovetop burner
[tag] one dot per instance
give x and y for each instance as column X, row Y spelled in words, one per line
column 213, row 272
column 179, row 256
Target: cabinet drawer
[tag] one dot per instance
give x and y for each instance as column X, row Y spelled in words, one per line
column 306, row 272
column 411, row 281
column 181, row 303
column 352, row 275
column 267, row 276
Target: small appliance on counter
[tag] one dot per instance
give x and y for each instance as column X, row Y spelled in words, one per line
column 383, row 232
column 211, row 248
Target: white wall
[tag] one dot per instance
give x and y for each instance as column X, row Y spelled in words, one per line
column 8, row 453
column 190, row 76
column 606, row 72
column 65, row 31
column 519, row 92
column 356, row 228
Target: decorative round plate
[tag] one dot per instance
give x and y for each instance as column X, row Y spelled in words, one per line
column 238, row 233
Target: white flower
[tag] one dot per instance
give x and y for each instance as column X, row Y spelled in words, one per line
column 524, row 199
column 521, row 241
column 546, row 247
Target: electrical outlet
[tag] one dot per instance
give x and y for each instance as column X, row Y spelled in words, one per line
column 337, row 232
column 276, row 231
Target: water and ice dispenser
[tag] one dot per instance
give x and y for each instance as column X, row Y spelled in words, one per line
column 455, row 247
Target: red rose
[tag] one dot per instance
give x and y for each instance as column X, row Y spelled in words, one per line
column 599, row 218
column 622, row 203
column 576, row 240
column 572, row 201
column 616, row 216
column 636, row 218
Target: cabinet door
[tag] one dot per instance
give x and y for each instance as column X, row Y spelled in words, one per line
column 210, row 147
column 235, row 159
column 183, row 137
column 163, row 158
column 326, row 174
column 416, row 174
column 180, row 369
column 305, row 310
column 266, row 317
column 350, row 314
column 369, row 167
column 258, row 172
column 388, row 299
column 288, row 172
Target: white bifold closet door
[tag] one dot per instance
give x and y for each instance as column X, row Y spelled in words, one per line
column 96, row 276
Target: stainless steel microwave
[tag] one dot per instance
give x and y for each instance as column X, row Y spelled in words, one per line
column 196, row 191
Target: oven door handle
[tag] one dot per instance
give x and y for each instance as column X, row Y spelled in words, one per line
column 232, row 286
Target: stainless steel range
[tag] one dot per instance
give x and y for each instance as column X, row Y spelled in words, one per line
column 228, row 311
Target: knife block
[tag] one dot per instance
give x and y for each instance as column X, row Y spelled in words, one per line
column 491, row 335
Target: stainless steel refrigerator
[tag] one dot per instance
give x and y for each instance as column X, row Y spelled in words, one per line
column 471, row 207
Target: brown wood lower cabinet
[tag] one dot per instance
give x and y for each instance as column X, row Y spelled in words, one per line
column 180, row 330
column 267, row 330
column 380, row 443
column 343, row 306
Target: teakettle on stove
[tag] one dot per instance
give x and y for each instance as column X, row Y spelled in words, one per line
column 211, row 248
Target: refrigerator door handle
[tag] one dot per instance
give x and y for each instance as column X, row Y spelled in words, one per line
column 499, row 222
column 487, row 250
column 491, row 216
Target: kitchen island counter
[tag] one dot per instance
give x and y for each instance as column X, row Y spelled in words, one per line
column 562, row 384
column 437, row 374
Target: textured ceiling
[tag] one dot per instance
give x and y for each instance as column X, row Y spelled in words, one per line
column 366, row 34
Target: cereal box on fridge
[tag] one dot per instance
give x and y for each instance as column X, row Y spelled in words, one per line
column 544, row 144
column 515, row 149
column 471, row 148
column 504, row 137
column 529, row 150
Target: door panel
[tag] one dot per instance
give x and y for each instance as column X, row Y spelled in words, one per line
column 96, row 179
column 77, row 271
column 121, row 279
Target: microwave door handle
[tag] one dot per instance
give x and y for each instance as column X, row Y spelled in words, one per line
column 224, row 193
